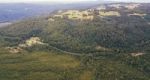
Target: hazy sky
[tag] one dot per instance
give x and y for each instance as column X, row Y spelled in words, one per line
column 65, row 1
column 132, row 0
column 5, row 1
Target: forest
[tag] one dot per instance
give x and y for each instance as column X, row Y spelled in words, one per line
column 108, row 48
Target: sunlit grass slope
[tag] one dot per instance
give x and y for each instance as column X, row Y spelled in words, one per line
column 37, row 66
column 53, row 65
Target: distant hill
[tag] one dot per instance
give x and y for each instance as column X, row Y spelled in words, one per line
column 16, row 11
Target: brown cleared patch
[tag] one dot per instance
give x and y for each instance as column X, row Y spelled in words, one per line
column 137, row 54
column 100, row 48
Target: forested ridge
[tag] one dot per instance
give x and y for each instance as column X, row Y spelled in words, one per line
column 105, row 48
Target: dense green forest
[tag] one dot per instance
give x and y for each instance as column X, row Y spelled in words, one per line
column 101, row 49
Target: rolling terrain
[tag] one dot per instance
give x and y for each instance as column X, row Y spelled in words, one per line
column 112, row 43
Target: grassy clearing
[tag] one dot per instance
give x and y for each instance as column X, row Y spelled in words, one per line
column 37, row 66
column 86, row 75
column 59, row 66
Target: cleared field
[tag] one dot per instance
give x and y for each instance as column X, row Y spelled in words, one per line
column 5, row 24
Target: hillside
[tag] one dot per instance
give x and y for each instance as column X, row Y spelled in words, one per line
column 108, row 42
